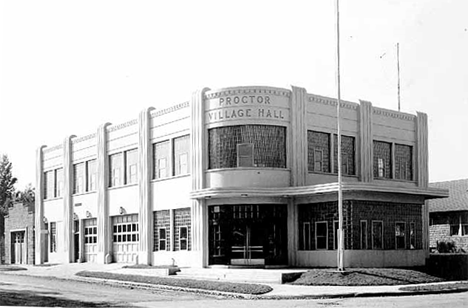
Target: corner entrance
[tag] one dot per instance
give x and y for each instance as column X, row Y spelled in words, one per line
column 248, row 235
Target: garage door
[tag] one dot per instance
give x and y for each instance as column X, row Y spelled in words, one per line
column 90, row 239
column 126, row 238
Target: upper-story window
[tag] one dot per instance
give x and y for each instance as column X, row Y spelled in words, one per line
column 58, row 182
column 115, row 169
column 233, row 146
column 131, row 161
column 403, row 162
column 78, row 178
column 319, row 153
column 347, row 155
column 161, row 154
column 91, row 175
column 382, row 159
column 318, row 145
column 181, row 155
column 53, row 183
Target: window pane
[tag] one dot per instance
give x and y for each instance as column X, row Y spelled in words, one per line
column 181, row 150
column 115, row 168
column 131, row 159
column 161, row 156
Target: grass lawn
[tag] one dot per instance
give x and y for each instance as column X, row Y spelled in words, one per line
column 9, row 268
column 459, row 286
column 364, row 277
column 241, row 288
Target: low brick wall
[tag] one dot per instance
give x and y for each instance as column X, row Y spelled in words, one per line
column 441, row 233
column 451, row 266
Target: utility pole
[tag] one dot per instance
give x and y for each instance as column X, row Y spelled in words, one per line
column 340, row 256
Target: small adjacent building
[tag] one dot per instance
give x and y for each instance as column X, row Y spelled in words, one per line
column 19, row 234
column 449, row 216
column 242, row 176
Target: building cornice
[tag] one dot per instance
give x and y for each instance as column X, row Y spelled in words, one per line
column 158, row 113
column 331, row 101
column 84, row 138
column 123, row 125
column 393, row 114
column 247, row 90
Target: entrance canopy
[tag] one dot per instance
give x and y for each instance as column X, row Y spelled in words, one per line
column 319, row 189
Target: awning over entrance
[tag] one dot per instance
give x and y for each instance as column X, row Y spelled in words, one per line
column 311, row 190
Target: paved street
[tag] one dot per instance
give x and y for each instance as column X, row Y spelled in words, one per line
column 107, row 295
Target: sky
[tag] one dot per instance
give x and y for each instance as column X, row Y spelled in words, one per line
column 68, row 66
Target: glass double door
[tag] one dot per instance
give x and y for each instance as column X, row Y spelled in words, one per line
column 248, row 235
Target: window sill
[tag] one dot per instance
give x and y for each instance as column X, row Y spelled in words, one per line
column 122, row 186
column 84, row 193
column 333, row 174
column 53, row 199
column 394, row 180
column 246, row 169
column 170, row 178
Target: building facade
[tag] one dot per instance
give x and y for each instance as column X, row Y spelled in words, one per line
column 19, row 234
column 243, row 176
column 449, row 216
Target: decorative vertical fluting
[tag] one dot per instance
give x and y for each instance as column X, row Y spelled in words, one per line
column 197, row 169
column 365, row 159
column 39, row 209
column 68, row 237
column 144, row 185
column 422, row 150
column 298, row 157
column 103, row 224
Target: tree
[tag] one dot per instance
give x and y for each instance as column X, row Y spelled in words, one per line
column 7, row 183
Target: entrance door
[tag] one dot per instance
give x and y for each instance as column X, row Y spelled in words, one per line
column 76, row 240
column 247, row 245
column 248, row 235
column 18, row 249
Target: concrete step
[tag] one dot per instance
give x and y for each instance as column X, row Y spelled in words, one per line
column 274, row 276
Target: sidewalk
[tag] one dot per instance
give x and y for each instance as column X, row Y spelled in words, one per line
column 280, row 291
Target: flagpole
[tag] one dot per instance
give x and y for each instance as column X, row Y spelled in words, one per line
column 340, row 256
column 398, row 70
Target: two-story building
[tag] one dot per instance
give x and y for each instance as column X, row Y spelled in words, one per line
column 239, row 176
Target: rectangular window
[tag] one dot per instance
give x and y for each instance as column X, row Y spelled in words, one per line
column 363, row 234
column 245, row 155
column 161, row 159
column 382, row 159
column 377, row 235
column 306, row 245
column 162, row 239
column 400, row 235
column 58, row 182
column 131, row 159
column 53, row 237
column 412, row 236
column 115, row 169
column 78, row 178
column 403, row 162
column 381, row 167
column 183, row 235
column 318, row 151
column 91, row 175
column 181, row 154
column 347, row 154
column 321, row 235
column 336, row 225
column 49, row 180
column 318, row 160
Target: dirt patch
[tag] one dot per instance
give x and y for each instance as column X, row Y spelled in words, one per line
column 231, row 287
column 364, row 277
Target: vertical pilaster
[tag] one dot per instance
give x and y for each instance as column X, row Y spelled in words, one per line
column 39, row 209
column 68, row 237
column 365, row 140
column 425, row 228
column 145, row 216
column 102, row 182
column 172, row 229
column 292, row 233
column 197, row 168
column 422, row 150
column 81, row 256
column 298, row 159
